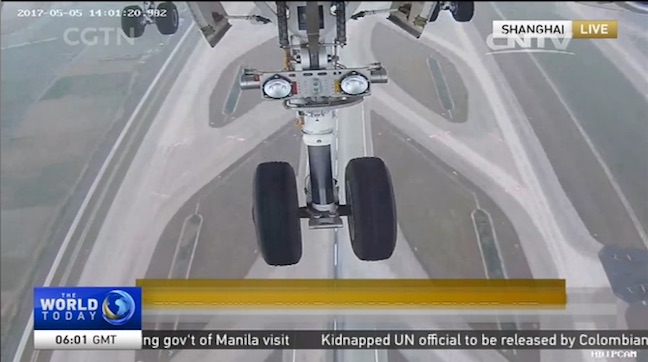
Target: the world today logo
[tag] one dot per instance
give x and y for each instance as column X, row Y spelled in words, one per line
column 88, row 308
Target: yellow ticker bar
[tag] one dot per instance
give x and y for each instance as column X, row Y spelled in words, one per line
column 352, row 293
column 595, row 29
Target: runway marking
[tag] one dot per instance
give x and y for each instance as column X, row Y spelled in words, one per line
column 418, row 145
column 335, row 253
column 27, row 43
column 177, row 247
column 337, row 145
column 231, row 137
column 441, row 134
column 93, row 188
column 191, row 258
column 336, row 248
column 441, row 85
column 517, row 189
column 195, row 246
column 590, row 144
column 479, row 245
column 234, row 96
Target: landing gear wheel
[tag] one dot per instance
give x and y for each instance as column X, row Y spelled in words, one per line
column 463, row 11
column 373, row 221
column 275, row 212
column 168, row 18
column 132, row 21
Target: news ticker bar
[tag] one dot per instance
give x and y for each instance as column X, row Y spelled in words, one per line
column 361, row 339
column 583, row 29
column 195, row 294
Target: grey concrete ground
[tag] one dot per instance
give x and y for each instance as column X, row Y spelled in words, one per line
column 595, row 96
column 435, row 204
column 226, row 247
column 228, row 234
column 64, row 103
column 602, row 130
column 417, row 79
column 481, row 130
column 13, row 15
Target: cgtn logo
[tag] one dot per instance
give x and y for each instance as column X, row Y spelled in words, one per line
column 87, row 308
column 545, row 36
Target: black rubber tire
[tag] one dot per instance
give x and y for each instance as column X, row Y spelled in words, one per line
column 275, row 212
column 133, row 26
column 373, row 222
column 169, row 21
column 464, row 11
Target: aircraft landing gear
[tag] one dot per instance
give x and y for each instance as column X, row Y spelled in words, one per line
column 462, row 11
column 167, row 18
column 276, row 213
column 133, row 21
column 370, row 208
column 135, row 18
column 413, row 16
column 372, row 214
column 315, row 84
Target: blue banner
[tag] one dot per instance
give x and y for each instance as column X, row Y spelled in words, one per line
column 88, row 308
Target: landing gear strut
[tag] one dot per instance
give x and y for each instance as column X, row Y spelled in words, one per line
column 413, row 16
column 135, row 18
column 462, row 11
column 315, row 85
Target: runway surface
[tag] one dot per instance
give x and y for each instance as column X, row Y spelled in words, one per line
column 60, row 119
column 564, row 96
column 484, row 189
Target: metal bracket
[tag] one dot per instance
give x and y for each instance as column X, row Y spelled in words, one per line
column 328, row 105
column 254, row 19
column 324, row 220
column 314, row 83
column 330, row 222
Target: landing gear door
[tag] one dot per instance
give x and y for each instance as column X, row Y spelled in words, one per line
column 412, row 16
column 211, row 18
